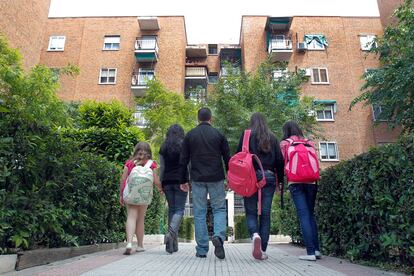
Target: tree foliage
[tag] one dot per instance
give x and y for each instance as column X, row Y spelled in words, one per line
column 238, row 96
column 391, row 86
column 163, row 108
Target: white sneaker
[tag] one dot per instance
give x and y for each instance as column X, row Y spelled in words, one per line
column 140, row 249
column 308, row 257
column 257, row 247
column 318, row 254
column 128, row 249
column 264, row 256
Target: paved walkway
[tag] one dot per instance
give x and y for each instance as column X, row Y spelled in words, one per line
column 155, row 261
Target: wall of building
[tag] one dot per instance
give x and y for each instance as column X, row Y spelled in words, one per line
column 386, row 9
column 23, row 23
column 353, row 131
column 84, row 44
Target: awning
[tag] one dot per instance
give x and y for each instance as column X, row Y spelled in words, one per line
column 318, row 37
column 326, row 102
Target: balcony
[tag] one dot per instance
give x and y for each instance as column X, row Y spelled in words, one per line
column 197, row 94
column 146, row 49
column 139, row 82
column 195, row 73
column 280, row 48
column 148, row 23
column 225, row 71
column 230, row 60
column 196, row 51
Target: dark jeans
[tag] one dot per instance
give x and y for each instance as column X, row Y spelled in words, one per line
column 304, row 196
column 250, row 205
column 176, row 202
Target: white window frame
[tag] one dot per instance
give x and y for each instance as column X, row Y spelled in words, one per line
column 319, row 74
column 112, row 43
column 368, row 43
column 108, row 69
column 327, row 151
column 139, row 119
column 313, row 46
column 332, row 109
column 380, row 111
column 57, row 48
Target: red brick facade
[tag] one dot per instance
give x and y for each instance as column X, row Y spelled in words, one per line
column 23, row 23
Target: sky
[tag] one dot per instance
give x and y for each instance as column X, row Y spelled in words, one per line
column 212, row 21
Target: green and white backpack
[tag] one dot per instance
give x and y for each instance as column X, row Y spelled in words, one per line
column 139, row 185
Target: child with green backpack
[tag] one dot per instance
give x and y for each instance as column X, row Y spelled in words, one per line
column 136, row 185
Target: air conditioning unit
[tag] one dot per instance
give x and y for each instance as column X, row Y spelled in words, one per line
column 308, row 71
column 302, row 46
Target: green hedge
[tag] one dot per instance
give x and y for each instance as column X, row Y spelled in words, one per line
column 186, row 230
column 285, row 221
column 240, row 227
column 366, row 206
column 54, row 195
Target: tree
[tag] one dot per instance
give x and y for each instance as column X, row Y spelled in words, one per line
column 163, row 108
column 391, row 87
column 239, row 95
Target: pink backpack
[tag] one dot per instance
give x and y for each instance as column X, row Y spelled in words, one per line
column 301, row 162
column 241, row 176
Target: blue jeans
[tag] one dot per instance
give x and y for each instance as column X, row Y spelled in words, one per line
column 250, row 205
column 218, row 204
column 176, row 199
column 304, row 196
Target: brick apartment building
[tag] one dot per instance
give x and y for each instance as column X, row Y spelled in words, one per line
column 117, row 55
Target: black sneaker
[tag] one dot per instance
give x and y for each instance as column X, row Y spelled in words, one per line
column 200, row 255
column 219, row 249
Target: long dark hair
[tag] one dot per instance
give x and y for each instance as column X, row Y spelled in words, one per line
column 291, row 128
column 264, row 135
column 173, row 141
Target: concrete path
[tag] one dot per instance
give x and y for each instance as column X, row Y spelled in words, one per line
column 155, row 261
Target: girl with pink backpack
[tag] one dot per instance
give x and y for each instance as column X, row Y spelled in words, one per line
column 263, row 144
column 302, row 173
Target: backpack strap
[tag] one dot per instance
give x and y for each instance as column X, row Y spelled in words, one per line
column 246, row 140
column 148, row 164
column 260, row 184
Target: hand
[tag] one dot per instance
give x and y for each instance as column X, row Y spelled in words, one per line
column 121, row 200
column 185, row 187
column 161, row 192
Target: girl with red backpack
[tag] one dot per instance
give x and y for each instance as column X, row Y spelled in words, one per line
column 136, row 184
column 264, row 144
column 302, row 172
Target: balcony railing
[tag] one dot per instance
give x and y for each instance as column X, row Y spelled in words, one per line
column 141, row 79
column 225, row 71
column 146, row 44
column 280, row 44
column 199, row 72
column 197, row 95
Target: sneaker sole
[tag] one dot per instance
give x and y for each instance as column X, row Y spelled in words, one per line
column 257, row 251
column 219, row 249
column 128, row 251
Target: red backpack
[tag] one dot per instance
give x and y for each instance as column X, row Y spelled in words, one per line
column 301, row 162
column 241, row 176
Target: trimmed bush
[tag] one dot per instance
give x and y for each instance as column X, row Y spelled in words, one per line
column 186, row 230
column 240, row 227
column 366, row 206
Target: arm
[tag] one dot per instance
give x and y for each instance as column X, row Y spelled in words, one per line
column 157, row 182
column 121, row 184
column 279, row 163
column 162, row 167
column 225, row 152
column 184, row 159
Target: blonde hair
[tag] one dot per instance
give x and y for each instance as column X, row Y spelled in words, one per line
column 141, row 146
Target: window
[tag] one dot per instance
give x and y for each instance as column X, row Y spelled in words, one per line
column 377, row 113
column 56, row 43
column 108, row 76
column 328, row 151
column 320, row 76
column 212, row 49
column 111, row 43
column 139, row 117
column 316, row 45
column 279, row 73
column 326, row 114
column 145, row 75
column 367, row 42
column 213, row 77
